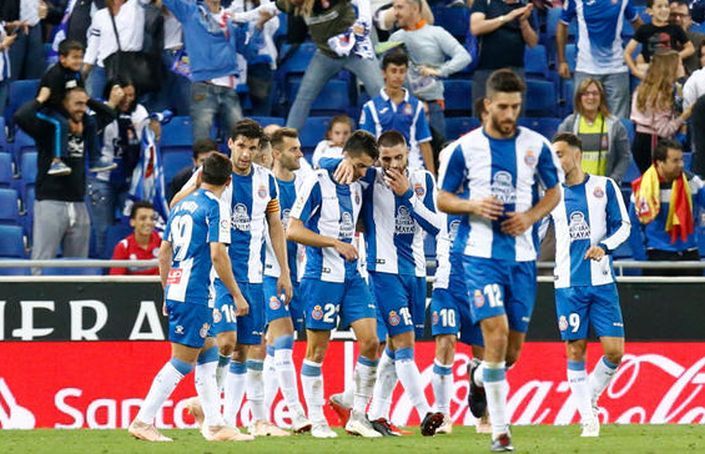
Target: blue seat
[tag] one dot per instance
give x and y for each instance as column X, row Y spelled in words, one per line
column 687, row 161
column 541, row 99
column 546, row 126
column 456, row 20
column 334, row 98
column 12, row 242
column 571, row 56
column 64, row 271
column 567, row 96
column 28, row 167
column 6, row 170
column 20, row 92
column 23, row 143
column 536, row 61
column 15, row 271
column 458, row 126
column 314, row 131
column 458, row 97
column 629, row 126
column 553, row 16
column 3, row 136
column 173, row 162
column 9, row 206
column 264, row 121
column 296, row 63
column 177, row 132
column 113, row 236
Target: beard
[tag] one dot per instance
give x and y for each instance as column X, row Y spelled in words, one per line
column 506, row 128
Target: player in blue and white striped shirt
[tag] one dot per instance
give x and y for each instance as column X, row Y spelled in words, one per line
column 590, row 222
column 501, row 166
column 196, row 237
column 324, row 219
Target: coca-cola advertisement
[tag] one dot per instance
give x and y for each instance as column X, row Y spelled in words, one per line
column 100, row 384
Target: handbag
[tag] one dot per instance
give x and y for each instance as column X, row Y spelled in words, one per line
column 137, row 66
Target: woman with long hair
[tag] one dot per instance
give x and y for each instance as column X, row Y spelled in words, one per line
column 654, row 110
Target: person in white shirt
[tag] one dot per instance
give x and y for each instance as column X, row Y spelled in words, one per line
column 339, row 130
column 6, row 41
column 27, row 55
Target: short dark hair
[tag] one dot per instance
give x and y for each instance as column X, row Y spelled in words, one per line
column 122, row 82
column 660, row 153
column 247, row 128
column 395, row 56
column 69, row 45
column 362, row 142
column 277, row 137
column 202, row 146
column 391, row 138
column 569, row 138
column 140, row 204
column 505, row 81
column 216, row 169
column 479, row 108
column 681, row 3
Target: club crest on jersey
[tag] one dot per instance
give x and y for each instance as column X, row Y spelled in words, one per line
column 404, row 223
column 203, row 332
column 479, row 299
column 217, row 316
column 317, row 312
column 419, row 190
column 394, row 319
column 262, row 192
column 274, row 303
column 408, row 110
column 347, row 226
column 224, row 224
column 434, row 318
column 562, row 323
column 357, row 198
column 240, row 218
column 578, row 228
column 530, row 158
column 598, row 193
column 503, row 188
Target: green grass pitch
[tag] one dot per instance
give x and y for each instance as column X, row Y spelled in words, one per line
column 534, row 439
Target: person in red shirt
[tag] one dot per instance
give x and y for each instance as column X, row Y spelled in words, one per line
column 142, row 244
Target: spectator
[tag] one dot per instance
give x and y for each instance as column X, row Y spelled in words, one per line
column 121, row 146
column 213, row 41
column 6, row 41
column 142, row 244
column 384, row 20
column 604, row 137
column 202, row 148
column 332, row 24
column 600, row 53
column 428, row 47
column 653, row 107
column 658, row 36
column 680, row 16
column 661, row 209
column 503, row 30
column 395, row 109
column 60, row 214
column 339, row 131
column 80, row 19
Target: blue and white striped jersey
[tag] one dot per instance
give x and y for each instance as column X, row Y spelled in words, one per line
column 394, row 226
column 444, row 241
column 332, row 210
column 194, row 223
column 287, row 197
column 507, row 169
column 588, row 214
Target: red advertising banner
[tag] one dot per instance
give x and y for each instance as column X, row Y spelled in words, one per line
column 101, row 384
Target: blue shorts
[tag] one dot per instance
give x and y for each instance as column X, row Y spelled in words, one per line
column 275, row 309
column 325, row 301
column 401, row 302
column 501, row 287
column 250, row 327
column 189, row 323
column 596, row 306
column 450, row 314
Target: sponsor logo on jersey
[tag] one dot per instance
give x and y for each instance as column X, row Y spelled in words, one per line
column 394, row 318
column 317, row 312
column 274, row 303
column 530, row 158
column 598, row 193
column 203, row 332
column 478, row 298
column 347, row 226
column 578, row 228
column 240, row 219
column 404, row 223
column 503, row 188
column 562, row 323
column 174, row 276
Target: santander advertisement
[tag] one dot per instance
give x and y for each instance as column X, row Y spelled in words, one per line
column 100, row 385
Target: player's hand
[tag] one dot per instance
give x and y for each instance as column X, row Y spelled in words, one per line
column 285, row 288
column 397, row 181
column 347, row 250
column 165, row 311
column 595, row 253
column 344, row 173
column 516, row 224
column 427, row 71
column 44, row 94
column 564, row 70
column 488, row 208
column 241, row 306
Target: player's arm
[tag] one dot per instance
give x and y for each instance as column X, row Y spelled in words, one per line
column 423, row 207
column 165, row 256
column 224, row 270
column 618, row 224
column 278, row 238
column 191, row 185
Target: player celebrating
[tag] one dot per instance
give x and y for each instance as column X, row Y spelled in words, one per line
column 324, row 219
column 591, row 221
column 283, row 318
column 196, row 236
column 253, row 197
column 501, row 165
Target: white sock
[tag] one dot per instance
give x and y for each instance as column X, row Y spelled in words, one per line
column 255, row 389
column 442, row 382
column 163, row 385
column 579, row 389
column 364, row 377
column 271, row 381
column 286, row 372
column 410, row 379
column 349, row 396
column 207, row 387
column 477, row 377
column 222, row 371
column 312, row 382
column 496, row 388
column 601, row 377
column 384, row 387
column 233, row 392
